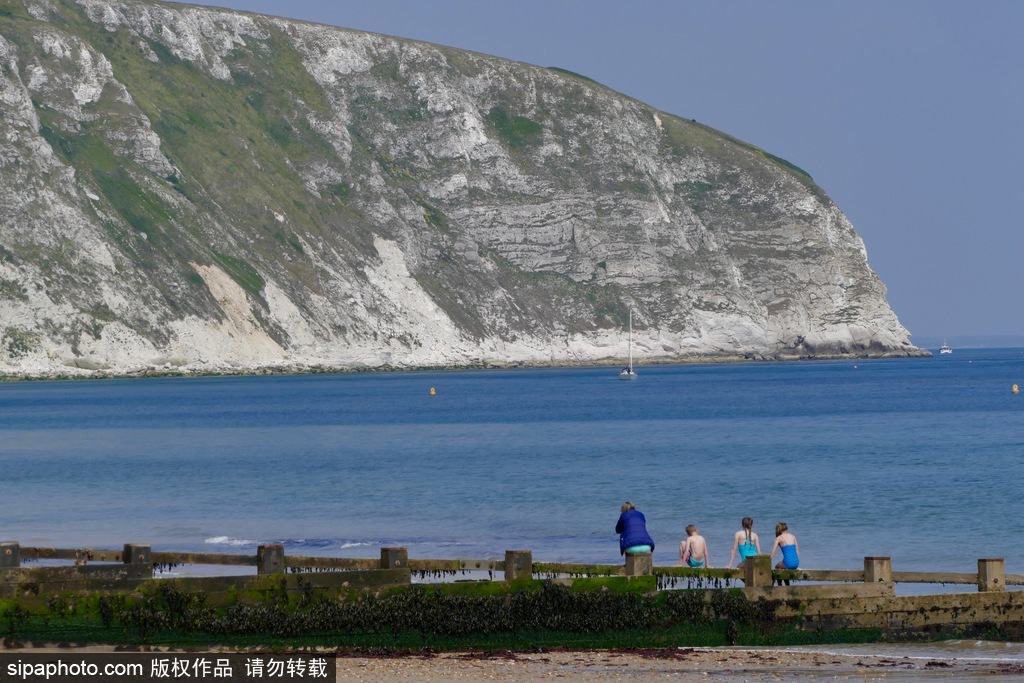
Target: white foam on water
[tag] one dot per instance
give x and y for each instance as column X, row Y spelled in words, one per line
column 228, row 540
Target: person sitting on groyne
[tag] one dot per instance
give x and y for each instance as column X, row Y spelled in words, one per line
column 632, row 531
column 786, row 541
column 745, row 542
column 693, row 551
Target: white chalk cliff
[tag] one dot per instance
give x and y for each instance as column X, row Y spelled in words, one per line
column 206, row 190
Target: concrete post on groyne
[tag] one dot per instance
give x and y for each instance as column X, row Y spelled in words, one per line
column 138, row 558
column 639, row 564
column 10, row 554
column 757, row 571
column 137, row 553
column 270, row 559
column 878, row 570
column 518, row 564
column 394, row 558
column 991, row 574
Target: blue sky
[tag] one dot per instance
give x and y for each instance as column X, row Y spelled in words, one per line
column 909, row 114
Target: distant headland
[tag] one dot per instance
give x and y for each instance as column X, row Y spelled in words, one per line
column 204, row 190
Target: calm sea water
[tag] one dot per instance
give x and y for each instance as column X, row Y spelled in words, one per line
column 918, row 459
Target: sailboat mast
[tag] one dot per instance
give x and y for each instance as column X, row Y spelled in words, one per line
column 627, row 372
column 631, row 339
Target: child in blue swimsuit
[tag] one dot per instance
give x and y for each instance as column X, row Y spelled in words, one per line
column 745, row 542
column 790, row 550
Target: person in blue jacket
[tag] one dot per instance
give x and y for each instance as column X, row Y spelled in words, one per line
column 632, row 531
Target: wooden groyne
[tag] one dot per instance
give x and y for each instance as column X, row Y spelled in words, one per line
column 815, row 599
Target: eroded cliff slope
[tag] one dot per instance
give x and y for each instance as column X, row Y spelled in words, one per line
column 210, row 190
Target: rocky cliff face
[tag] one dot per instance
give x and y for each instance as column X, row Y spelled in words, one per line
column 209, row 190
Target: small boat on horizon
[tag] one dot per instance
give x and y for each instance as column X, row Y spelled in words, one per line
column 945, row 348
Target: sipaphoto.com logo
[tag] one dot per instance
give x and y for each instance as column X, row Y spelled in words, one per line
column 61, row 668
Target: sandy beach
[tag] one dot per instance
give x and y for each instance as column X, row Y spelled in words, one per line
column 684, row 664
column 727, row 665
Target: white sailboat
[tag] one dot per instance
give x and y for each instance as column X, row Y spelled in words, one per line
column 627, row 372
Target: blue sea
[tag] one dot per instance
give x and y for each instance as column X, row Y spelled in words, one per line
column 917, row 459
